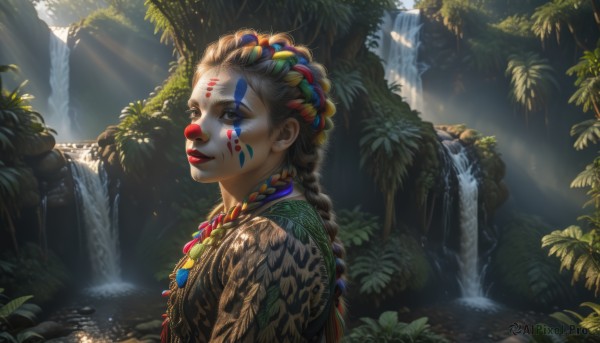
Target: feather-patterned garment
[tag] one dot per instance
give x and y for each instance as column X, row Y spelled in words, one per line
column 269, row 280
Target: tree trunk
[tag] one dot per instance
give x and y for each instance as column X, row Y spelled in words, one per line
column 575, row 37
column 596, row 12
column 389, row 213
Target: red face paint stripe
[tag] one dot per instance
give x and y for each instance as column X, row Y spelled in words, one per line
column 229, row 147
column 229, row 133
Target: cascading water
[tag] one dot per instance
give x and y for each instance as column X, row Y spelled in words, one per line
column 469, row 271
column 398, row 46
column 58, row 102
column 100, row 227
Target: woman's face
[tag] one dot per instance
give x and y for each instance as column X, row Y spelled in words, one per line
column 234, row 122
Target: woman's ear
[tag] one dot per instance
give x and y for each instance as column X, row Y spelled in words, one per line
column 285, row 135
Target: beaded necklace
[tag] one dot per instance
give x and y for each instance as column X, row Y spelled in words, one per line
column 211, row 231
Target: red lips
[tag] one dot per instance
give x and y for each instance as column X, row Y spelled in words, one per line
column 195, row 156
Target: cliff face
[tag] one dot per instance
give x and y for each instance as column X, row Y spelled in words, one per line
column 24, row 41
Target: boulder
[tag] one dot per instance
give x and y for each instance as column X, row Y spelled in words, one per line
column 50, row 163
column 50, row 329
column 37, row 145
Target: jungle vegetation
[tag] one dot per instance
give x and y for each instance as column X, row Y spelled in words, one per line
column 517, row 41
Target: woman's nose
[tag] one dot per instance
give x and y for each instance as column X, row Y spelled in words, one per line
column 194, row 132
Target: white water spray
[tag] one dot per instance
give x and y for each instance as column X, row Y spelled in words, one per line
column 469, row 272
column 58, row 102
column 101, row 230
column 399, row 47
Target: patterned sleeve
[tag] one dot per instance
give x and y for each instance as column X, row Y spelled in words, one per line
column 274, row 281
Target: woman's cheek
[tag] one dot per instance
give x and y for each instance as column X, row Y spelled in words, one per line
column 237, row 147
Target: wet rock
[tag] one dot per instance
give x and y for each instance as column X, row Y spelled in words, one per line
column 86, row 310
column 50, row 163
column 59, row 194
column 50, row 329
column 108, row 136
column 151, row 326
column 444, row 136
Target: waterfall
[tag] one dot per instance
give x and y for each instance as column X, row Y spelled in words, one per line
column 58, row 102
column 100, row 226
column 469, row 272
column 398, row 46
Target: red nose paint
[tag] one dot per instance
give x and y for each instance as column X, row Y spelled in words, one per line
column 192, row 132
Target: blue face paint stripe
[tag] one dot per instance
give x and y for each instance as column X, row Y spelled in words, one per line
column 240, row 90
column 242, row 159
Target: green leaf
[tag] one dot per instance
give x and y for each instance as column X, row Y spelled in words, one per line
column 13, row 305
column 587, row 132
column 8, row 337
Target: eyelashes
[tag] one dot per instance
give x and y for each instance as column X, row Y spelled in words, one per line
column 192, row 113
column 228, row 115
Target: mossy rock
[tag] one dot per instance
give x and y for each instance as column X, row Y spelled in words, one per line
column 37, row 145
column 454, row 130
column 469, row 136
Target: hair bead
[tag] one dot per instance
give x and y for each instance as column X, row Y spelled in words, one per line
column 256, row 53
column 283, row 55
column 248, row 39
column 293, row 78
column 305, row 71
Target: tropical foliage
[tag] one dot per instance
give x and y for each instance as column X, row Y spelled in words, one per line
column 10, row 309
column 587, row 94
column 576, row 246
column 524, row 270
column 388, row 329
column 356, row 227
column 191, row 24
column 20, row 125
column 380, row 269
column 33, row 271
column 532, row 82
column 387, row 147
column 139, row 137
column 347, row 85
column 578, row 252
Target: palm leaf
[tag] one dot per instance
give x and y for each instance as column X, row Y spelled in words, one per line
column 589, row 177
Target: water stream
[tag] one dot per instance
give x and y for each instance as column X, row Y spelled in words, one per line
column 58, row 114
column 469, row 277
column 398, row 46
column 100, row 225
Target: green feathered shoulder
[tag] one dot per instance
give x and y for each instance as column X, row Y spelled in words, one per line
column 299, row 218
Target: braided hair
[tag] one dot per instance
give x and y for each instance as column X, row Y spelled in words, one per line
column 292, row 85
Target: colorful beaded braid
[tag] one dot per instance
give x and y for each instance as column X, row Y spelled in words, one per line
column 313, row 107
column 316, row 110
column 211, row 231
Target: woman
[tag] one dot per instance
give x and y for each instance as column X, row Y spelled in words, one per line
column 266, row 265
